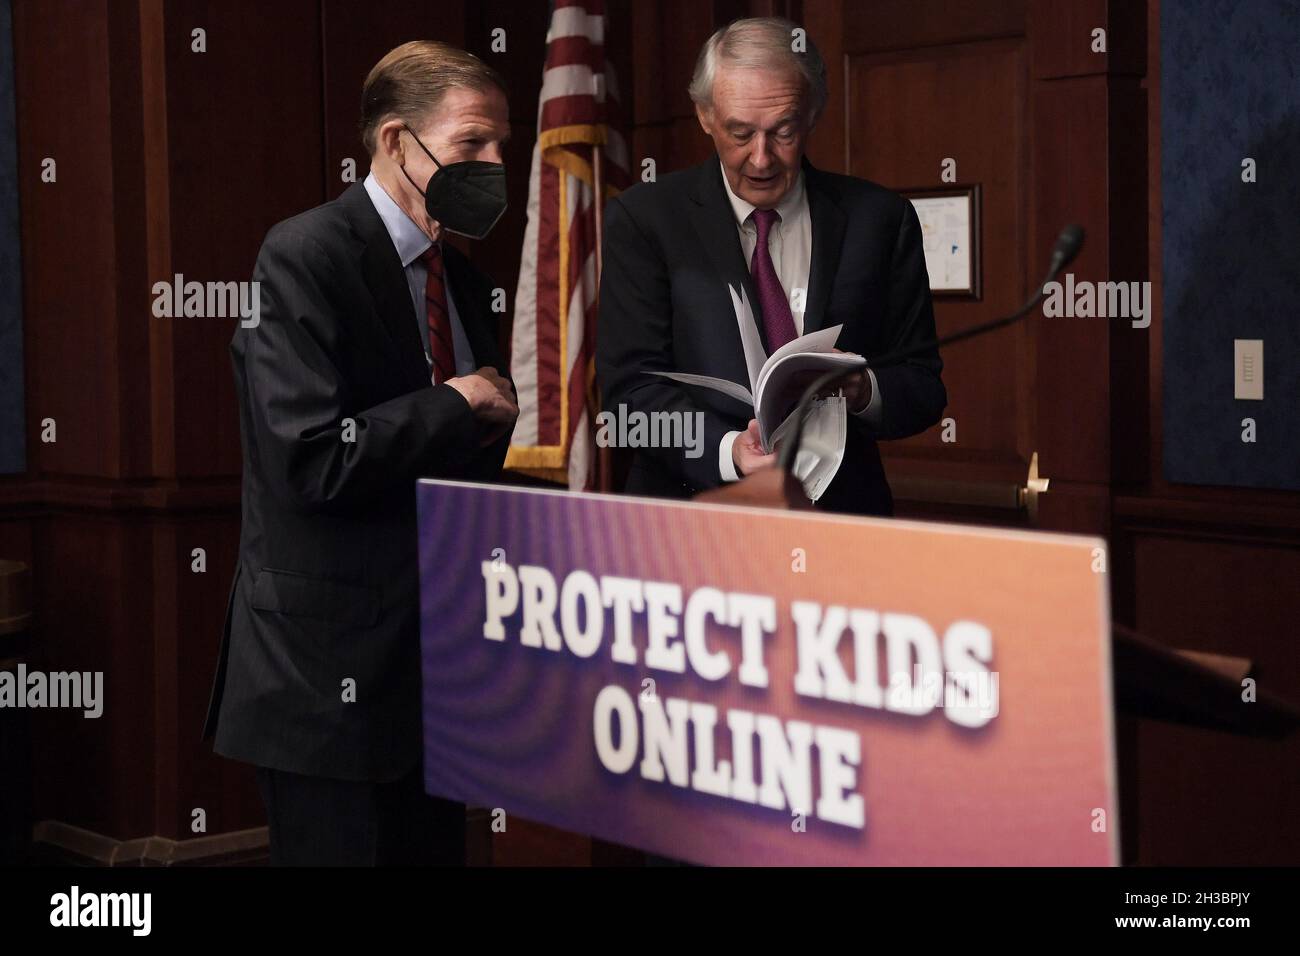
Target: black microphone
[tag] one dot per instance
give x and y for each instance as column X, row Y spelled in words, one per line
column 1068, row 244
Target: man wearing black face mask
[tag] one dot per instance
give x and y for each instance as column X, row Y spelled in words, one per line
column 374, row 362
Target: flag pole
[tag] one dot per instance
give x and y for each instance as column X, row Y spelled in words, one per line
column 604, row 457
column 598, row 179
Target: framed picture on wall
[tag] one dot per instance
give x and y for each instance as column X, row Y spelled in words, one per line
column 950, row 231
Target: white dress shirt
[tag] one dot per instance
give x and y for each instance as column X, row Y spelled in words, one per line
column 411, row 243
column 790, row 245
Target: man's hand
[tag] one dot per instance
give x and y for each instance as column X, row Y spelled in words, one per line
column 747, row 451
column 491, row 399
column 856, row 388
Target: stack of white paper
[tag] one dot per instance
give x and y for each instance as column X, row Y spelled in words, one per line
column 776, row 384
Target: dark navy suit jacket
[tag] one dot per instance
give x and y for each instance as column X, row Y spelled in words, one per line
column 326, row 588
column 670, row 251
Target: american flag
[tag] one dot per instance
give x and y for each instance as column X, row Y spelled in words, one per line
column 553, row 344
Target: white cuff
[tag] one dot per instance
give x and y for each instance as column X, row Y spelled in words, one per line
column 726, row 465
column 872, row 413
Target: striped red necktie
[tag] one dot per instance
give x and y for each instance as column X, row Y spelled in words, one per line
column 441, row 348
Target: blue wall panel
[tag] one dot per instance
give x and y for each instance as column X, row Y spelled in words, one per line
column 1230, row 89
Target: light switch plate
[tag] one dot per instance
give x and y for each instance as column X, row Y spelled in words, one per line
column 1248, row 369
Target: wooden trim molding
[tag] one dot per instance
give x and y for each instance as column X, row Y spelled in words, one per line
column 1212, row 517
column 158, row 234
column 151, row 850
column 24, row 496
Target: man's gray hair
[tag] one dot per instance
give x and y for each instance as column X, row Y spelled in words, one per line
column 761, row 43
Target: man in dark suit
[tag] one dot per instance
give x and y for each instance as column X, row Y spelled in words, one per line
column 811, row 250
column 374, row 362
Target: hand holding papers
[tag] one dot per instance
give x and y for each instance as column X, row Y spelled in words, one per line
column 776, row 383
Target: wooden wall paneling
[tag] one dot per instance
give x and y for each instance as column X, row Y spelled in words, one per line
column 669, row 36
column 92, row 571
column 64, row 112
column 725, row 11
column 130, row 434
column 620, row 49
column 689, row 144
column 898, row 139
column 1069, row 186
column 1070, row 145
column 1084, row 137
column 824, row 21
column 1067, row 48
column 1207, row 798
column 161, row 168
column 353, row 37
column 17, row 541
column 674, row 145
column 524, row 57
column 158, row 235
column 648, row 141
column 171, row 567
column 236, row 167
column 525, row 843
column 189, row 631
column 1155, row 252
column 78, row 79
column 1204, row 568
column 908, row 111
column 910, row 24
column 648, row 77
column 1130, row 346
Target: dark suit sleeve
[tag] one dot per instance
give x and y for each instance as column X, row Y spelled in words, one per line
column 487, row 463
column 912, row 395
column 635, row 337
column 299, row 398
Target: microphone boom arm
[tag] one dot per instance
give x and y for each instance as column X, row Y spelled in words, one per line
column 1067, row 247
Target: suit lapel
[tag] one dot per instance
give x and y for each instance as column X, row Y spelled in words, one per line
column 715, row 224
column 828, row 223
column 386, row 281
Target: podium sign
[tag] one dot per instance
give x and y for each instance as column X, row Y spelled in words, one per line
column 732, row 685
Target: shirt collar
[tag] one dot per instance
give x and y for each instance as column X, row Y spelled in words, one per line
column 408, row 238
column 786, row 208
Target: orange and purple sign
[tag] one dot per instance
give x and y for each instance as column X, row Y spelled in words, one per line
column 732, row 685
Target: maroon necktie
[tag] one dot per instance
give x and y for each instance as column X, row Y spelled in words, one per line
column 441, row 348
column 778, row 322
